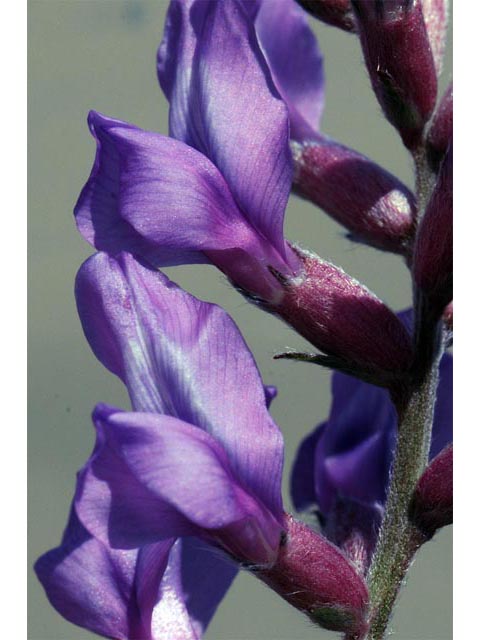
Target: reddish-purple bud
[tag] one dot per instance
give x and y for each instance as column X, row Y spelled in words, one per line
column 370, row 202
column 400, row 62
column 433, row 254
column 432, row 503
column 440, row 134
column 342, row 318
column 435, row 14
column 448, row 316
column 337, row 13
column 315, row 577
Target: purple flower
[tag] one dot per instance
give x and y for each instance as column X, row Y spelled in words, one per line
column 218, row 193
column 200, row 459
column 374, row 205
column 342, row 467
column 178, row 492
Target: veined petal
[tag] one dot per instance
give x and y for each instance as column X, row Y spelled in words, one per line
column 224, row 103
column 165, row 590
column 295, row 61
column 112, row 503
column 182, row 357
column 176, row 480
column 194, row 582
column 156, row 196
column 96, row 587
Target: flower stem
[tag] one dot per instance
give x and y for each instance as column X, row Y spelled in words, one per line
column 399, row 539
column 424, row 179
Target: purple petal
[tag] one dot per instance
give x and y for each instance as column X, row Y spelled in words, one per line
column 171, row 196
column 97, row 210
column 206, row 576
column 97, row 587
column 195, row 581
column 184, row 358
column 302, row 479
column 112, row 502
column 350, row 455
column 152, row 477
column 295, row 61
column 442, row 432
column 271, row 393
column 156, row 592
column 224, row 103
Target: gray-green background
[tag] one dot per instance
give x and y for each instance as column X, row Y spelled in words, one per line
column 101, row 54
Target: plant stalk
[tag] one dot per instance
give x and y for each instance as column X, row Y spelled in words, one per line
column 399, row 539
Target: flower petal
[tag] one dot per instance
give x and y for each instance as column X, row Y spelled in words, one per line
column 95, row 587
column 194, row 582
column 295, row 61
column 303, row 471
column 350, row 454
column 224, row 103
column 206, row 576
column 164, row 590
column 182, row 357
column 176, row 480
column 155, row 196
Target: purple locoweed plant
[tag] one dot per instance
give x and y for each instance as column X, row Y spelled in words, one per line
column 184, row 489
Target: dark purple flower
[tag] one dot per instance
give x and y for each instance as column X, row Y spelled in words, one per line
column 342, row 467
column 199, row 457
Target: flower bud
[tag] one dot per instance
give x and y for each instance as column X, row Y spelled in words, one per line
column 400, row 63
column 342, row 318
column 440, row 133
column 435, row 14
column 337, row 13
column 432, row 503
column 433, row 253
column 448, row 316
column 370, row 202
column 315, row 577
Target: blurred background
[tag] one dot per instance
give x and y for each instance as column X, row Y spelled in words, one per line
column 100, row 54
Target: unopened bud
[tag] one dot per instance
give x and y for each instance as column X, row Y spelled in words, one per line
column 337, row 13
column 342, row 318
column 440, row 133
column 435, row 15
column 400, row 63
column 370, row 202
column 448, row 316
column 315, row 577
column 432, row 503
column 433, row 254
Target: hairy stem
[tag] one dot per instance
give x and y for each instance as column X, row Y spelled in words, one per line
column 399, row 540
column 424, row 179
